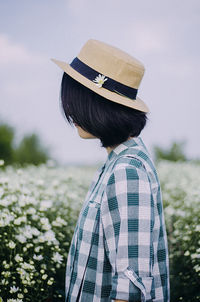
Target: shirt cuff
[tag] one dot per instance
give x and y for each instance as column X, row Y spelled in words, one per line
column 129, row 286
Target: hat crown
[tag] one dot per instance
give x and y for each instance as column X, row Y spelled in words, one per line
column 112, row 62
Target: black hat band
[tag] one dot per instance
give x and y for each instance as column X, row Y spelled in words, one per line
column 102, row 80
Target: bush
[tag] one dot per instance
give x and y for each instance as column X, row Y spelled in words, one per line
column 180, row 183
column 29, row 150
column 38, row 211
column 6, row 143
column 174, row 153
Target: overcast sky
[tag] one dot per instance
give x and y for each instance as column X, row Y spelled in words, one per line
column 164, row 35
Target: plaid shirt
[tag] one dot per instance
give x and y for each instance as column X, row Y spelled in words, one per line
column 119, row 248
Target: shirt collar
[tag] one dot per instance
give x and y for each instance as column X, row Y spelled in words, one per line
column 135, row 142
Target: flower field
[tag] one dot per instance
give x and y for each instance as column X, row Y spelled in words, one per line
column 38, row 211
column 39, row 207
column 180, row 184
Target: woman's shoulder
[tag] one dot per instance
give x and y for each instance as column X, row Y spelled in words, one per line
column 127, row 161
column 145, row 168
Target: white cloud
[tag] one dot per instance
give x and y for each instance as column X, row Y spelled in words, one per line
column 15, row 53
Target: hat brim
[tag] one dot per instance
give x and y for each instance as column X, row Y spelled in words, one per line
column 112, row 96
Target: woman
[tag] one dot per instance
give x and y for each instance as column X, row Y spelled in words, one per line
column 119, row 248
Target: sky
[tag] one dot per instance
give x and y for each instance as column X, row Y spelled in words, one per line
column 164, row 35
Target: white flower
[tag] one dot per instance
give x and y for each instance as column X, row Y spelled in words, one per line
column 27, row 266
column 21, row 271
column 4, row 281
column 59, row 222
column 11, row 245
column 5, row 202
column 49, row 282
column 6, row 274
column 1, row 162
column 19, row 220
column 28, row 232
column 197, row 268
column 13, row 289
column 35, row 217
column 31, row 211
column 99, row 80
column 44, row 277
column 38, row 248
column 57, row 257
column 5, row 218
column 37, row 257
column 18, row 258
column 45, row 204
column 44, row 220
column 21, row 238
column 45, row 223
column 48, row 236
column 35, row 232
column 187, row 253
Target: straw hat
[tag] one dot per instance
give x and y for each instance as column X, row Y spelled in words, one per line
column 108, row 71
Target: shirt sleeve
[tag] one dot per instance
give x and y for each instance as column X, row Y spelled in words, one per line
column 127, row 211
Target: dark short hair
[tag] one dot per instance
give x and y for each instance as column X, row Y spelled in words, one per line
column 111, row 122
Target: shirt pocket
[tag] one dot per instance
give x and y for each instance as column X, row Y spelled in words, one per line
column 88, row 221
column 145, row 284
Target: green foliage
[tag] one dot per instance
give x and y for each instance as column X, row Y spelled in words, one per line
column 174, row 153
column 6, row 143
column 29, row 151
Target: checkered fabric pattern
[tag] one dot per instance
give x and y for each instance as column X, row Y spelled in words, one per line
column 119, row 249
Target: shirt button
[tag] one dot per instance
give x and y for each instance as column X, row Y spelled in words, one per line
column 129, row 273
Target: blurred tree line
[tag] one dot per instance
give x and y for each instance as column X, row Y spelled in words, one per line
column 28, row 151
column 175, row 152
column 31, row 151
